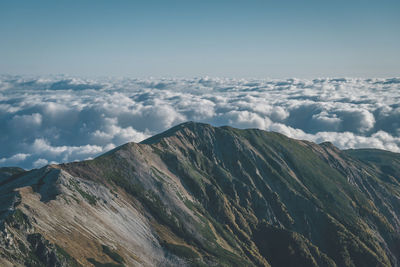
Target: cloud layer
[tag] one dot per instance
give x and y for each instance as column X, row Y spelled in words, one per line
column 59, row 119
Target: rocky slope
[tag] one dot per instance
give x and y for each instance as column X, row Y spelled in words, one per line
column 199, row 195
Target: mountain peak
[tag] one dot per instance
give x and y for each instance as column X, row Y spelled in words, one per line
column 186, row 126
column 198, row 195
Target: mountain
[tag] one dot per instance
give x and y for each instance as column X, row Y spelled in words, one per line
column 198, row 195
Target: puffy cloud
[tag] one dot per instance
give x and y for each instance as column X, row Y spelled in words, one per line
column 65, row 153
column 58, row 119
column 246, row 119
column 40, row 163
column 25, row 122
column 356, row 120
column 15, row 159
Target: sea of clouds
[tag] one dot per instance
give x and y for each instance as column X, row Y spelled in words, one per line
column 59, row 119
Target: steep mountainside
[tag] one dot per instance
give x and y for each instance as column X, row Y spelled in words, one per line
column 199, row 195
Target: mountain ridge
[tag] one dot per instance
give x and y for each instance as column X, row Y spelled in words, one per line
column 202, row 195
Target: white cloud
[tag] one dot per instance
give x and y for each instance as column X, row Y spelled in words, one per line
column 58, row 119
column 15, row 159
column 40, row 163
column 246, row 119
column 26, row 121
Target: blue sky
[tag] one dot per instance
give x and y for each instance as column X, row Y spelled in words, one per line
column 189, row 38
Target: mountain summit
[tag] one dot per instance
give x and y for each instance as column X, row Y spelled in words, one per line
column 198, row 195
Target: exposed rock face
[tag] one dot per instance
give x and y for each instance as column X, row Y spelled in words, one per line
column 198, row 195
